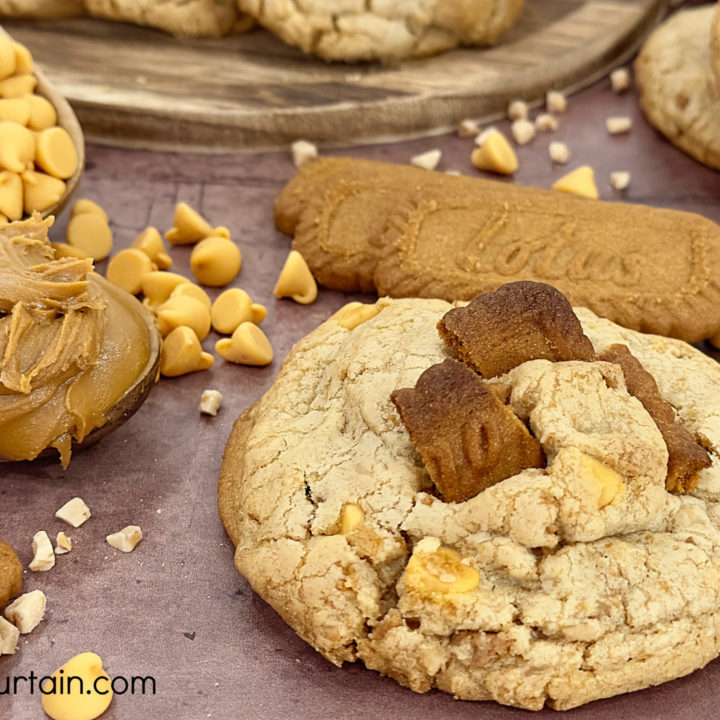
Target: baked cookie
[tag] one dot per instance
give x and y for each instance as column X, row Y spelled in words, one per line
column 39, row 9
column 677, row 86
column 11, row 573
column 352, row 30
column 560, row 584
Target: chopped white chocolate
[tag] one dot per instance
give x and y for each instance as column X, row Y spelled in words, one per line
column 125, row 539
column 555, row 102
column 428, row 160
column 484, row 135
column 518, row 110
column 620, row 80
column 468, row 128
column 210, row 402
column 9, row 636
column 63, row 544
column 74, row 512
column 545, row 122
column 456, row 173
column 302, row 152
column 523, row 131
column 43, row 555
column 618, row 125
column 559, row 152
column 27, row 611
column 620, row 179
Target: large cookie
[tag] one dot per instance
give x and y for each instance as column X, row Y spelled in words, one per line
column 354, row 30
column 557, row 585
column 406, row 232
column 11, row 572
column 678, row 90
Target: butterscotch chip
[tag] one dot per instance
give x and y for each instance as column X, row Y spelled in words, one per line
column 11, row 573
column 468, row 439
column 519, row 322
column 686, row 457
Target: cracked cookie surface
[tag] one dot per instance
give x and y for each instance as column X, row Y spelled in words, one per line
column 387, row 30
column 555, row 586
column 678, row 89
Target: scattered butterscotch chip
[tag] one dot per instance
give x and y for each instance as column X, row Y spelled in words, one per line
column 354, row 314
column 523, row 131
column 620, row 80
column 618, row 125
column 91, row 233
column 55, row 153
column 127, row 269
column 74, row 512
column 9, row 636
column 210, row 402
column 194, row 291
column 468, row 439
column 296, row 281
column 518, row 110
column 259, row 313
column 42, row 112
column 495, row 155
column 18, row 86
column 520, row 321
column 182, row 353
column 184, row 311
column 686, row 457
column 188, row 226
column 555, row 102
column 63, row 250
column 16, row 110
column 63, row 544
column 215, row 261
column 150, row 242
column 41, row 191
column 17, row 147
column 559, row 152
column 351, row 517
column 428, row 160
column 27, row 611
column 546, row 123
column 84, row 206
column 8, row 60
column 303, row 152
column 43, row 555
column 620, row 179
column 439, row 571
column 247, row 346
column 578, row 182
column 468, row 128
column 11, row 573
column 125, row 540
column 23, row 59
column 230, row 309
column 157, row 287
column 11, row 195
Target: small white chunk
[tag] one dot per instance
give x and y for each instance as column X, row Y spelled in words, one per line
column 468, row 128
column 620, row 80
column 555, row 102
column 125, row 539
column 518, row 110
column 483, row 136
column 43, row 555
column 302, row 152
column 74, row 512
column 620, row 180
column 523, row 131
column 9, row 636
column 428, row 160
column 546, row 123
column 210, row 402
column 27, row 611
column 618, row 125
column 559, row 152
column 63, row 544
column 457, row 173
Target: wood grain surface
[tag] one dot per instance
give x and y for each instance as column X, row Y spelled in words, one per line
column 138, row 87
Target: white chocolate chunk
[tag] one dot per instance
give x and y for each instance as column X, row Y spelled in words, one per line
column 74, row 512
column 210, row 402
column 620, row 179
column 618, row 125
column 555, row 102
column 63, row 544
column 43, row 555
column 27, row 611
column 428, row 160
column 523, row 131
column 620, row 80
column 545, row 122
column 125, row 539
column 303, row 152
column 559, row 152
column 518, row 110
column 9, row 636
column 468, row 128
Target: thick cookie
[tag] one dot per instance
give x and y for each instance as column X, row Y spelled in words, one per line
column 455, row 237
column 678, row 90
column 351, row 31
column 555, row 586
column 11, row 572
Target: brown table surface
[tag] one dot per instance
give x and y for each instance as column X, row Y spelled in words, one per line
column 160, row 469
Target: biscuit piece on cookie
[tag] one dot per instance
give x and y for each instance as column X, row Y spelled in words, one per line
column 10, row 574
column 468, row 439
column 686, row 456
column 520, row 321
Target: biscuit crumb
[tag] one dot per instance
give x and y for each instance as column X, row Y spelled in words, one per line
column 618, row 125
column 303, row 152
column 468, row 128
column 546, row 123
column 523, row 131
column 555, row 102
column 620, row 179
column 74, row 512
column 27, row 611
column 620, row 80
column 43, row 555
column 518, row 110
column 210, row 402
column 559, row 152
column 63, row 544
column 428, row 160
column 126, row 539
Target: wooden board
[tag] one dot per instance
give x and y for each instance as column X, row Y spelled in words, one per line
column 139, row 87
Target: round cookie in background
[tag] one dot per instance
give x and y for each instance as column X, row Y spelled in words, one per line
column 385, row 30
column 677, row 86
column 537, row 591
column 11, row 573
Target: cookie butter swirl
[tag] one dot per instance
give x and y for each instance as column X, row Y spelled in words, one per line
column 70, row 345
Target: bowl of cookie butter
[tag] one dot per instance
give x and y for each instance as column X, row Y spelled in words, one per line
column 78, row 356
column 42, row 149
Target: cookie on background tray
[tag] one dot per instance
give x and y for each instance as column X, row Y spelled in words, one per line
column 375, row 502
column 678, row 78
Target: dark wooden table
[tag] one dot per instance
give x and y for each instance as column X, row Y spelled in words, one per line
column 176, row 608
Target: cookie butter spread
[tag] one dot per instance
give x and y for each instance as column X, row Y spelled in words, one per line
column 71, row 345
